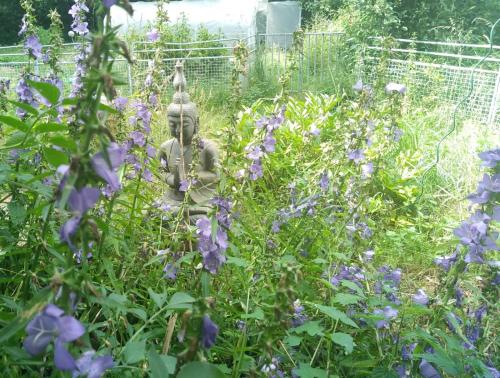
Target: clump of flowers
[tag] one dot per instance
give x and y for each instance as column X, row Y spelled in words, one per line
column 256, row 152
column 79, row 26
column 52, row 325
column 212, row 235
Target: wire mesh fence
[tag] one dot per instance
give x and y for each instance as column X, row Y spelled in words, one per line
column 438, row 70
column 443, row 71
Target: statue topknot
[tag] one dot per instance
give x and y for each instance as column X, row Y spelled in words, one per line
column 181, row 97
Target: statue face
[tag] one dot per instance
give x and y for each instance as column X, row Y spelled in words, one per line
column 187, row 131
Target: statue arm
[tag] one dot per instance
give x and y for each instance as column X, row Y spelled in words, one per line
column 209, row 160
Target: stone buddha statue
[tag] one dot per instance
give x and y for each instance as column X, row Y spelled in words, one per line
column 200, row 176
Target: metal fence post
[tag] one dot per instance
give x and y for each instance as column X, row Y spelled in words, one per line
column 495, row 99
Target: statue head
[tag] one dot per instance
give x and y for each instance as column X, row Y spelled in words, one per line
column 182, row 110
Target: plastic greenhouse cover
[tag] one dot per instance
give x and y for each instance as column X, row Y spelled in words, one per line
column 234, row 18
column 282, row 17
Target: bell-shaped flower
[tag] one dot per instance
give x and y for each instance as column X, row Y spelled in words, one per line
column 105, row 166
column 92, row 366
column 52, row 325
column 210, row 331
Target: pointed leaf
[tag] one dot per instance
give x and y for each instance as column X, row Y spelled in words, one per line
column 336, row 315
column 14, row 122
column 345, row 340
column 55, row 157
column 134, row 351
column 156, row 365
column 49, row 127
column 200, row 369
column 49, row 91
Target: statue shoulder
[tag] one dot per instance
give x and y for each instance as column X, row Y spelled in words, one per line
column 209, row 147
column 167, row 145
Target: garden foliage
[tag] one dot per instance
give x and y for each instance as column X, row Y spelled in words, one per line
column 287, row 277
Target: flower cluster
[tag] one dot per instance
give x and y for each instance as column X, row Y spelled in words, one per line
column 388, row 284
column 295, row 210
column 52, row 325
column 475, row 234
column 256, row 152
column 213, row 246
column 138, row 140
column 83, row 199
column 79, row 26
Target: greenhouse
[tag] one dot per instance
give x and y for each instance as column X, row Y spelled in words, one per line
column 254, row 189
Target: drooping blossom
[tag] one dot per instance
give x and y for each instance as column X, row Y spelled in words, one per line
column 361, row 87
column 395, row 88
column 212, row 248
column 298, row 316
column 446, row 262
column 153, row 35
column 491, row 158
column 120, row 103
column 388, row 313
column 209, row 332
column 52, row 325
column 356, row 155
column 420, row 298
column 427, row 370
column 106, row 166
column 366, row 170
column 79, row 201
column 33, row 46
column 324, row 182
column 368, row 256
column 92, row 366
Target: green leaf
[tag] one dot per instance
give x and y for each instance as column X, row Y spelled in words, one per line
column 49, row 127
column 17, row 213
column 49, row 91
column 346, row 299
column 353, row 286
column 170, row 362
column 237, row 261
column 55, row 157
column 180, row 300
column 27, row 108
column 306, row 371
column 107, row 108
column 442, row 361
column 338, row 315
column 345, row 340
column 312, row 328
column 134, row 351
column 257, row 314
column 156, row 365
column 293, row 341
column 139, row 312
column 200, row 369
column 15, row 123
column 64, row 142
column 69, row 101
column 158, row 299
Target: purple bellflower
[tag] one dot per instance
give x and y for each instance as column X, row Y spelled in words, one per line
column 92, row 366
column 356, row 155
column 52, row 325
column 427, row 370
column 209, row 332
column 106, row 169
column 33, row 46
column 420, row 298
column 153, row 35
